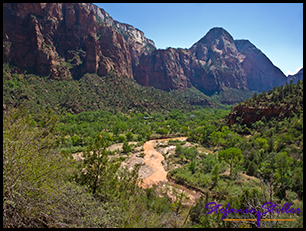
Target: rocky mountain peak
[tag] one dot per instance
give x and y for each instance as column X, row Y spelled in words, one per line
column 217, row 41
column 214, row 34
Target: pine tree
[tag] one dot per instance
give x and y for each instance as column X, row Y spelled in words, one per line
column 252, row 169
column 215, row 173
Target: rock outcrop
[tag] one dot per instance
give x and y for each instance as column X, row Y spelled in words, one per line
column 250, row 115
column 138, row 43
column 164, row 69
column 210, row 65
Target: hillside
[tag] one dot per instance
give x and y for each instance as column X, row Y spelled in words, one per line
column 296, row 77
column 274, row 104
column 92, row 92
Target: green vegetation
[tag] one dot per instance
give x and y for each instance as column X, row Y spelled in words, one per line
column 287, row 99
column 231, row 156
column 47, row 120
column 43, row 187
column 79, row 129
column 231, row 95
column 92, row 92
column 268, row 153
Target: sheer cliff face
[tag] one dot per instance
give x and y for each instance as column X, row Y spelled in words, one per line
column 62, row 40
column 71, row 39
column 210, row 65
column 260, row 72
column 138, row 43
column 164, row 69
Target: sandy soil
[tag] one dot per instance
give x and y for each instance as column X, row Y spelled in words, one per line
column 152, row 170
column 155, row 159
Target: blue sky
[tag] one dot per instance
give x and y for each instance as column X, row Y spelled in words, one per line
column 274, row 28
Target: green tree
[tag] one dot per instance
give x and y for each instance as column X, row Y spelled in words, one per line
column 283, row 172
column 193, row 166
column 126, row 147
column 200, row 219
column 121, row 138
column 251, row 168
column 215, row 174
column 232, row 156
column 95, row 165
column 209, row 162
column 140, row 137
column 32, row 166
column 75, row 140
column 184, row 130
column 116, row 129
column 129, row 136
column 232, row 139
column 218, row 138
column 163, row 131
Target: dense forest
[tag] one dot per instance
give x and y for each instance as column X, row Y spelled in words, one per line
column 245, row 164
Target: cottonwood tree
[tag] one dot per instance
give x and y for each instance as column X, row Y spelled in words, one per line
column 232, row 156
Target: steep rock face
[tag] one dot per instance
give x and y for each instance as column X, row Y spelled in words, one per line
column 23, row 40
column 70, row 39
column 61, row 40
column 162, row 69
column 138, row 43
column 260, row 72
column 216, row 63
column 115, row 51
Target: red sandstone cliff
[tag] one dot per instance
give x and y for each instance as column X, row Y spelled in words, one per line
column 260, row 72
column 250, row 114
column 62, row 39
column 163, row 69
column 216, row 63
column 71, row 39
column 210, row 65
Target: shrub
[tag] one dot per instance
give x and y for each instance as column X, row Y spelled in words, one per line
column 31, row 168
